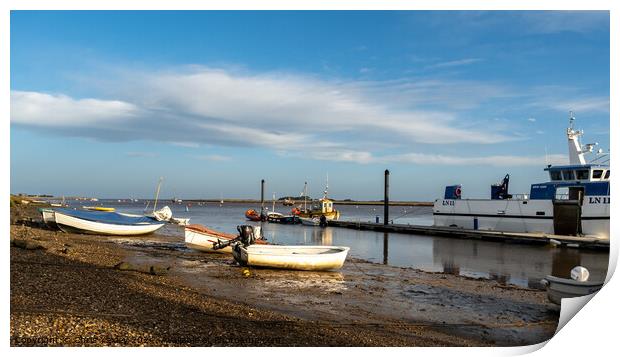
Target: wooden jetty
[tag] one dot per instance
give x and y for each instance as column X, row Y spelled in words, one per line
column 506, row 237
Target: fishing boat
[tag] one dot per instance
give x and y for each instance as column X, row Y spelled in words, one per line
column 252, row 215
column 574, row 201
column 577, row 285
column 288, row 202
column 201, row 238
column 291, row 257
column 323, row 207
column 98, row 208
column 108, row 223
column 284, row 219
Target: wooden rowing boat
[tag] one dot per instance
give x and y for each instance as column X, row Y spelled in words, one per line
column 201, row 238
column 291, row 257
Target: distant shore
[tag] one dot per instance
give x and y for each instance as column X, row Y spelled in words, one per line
column 237, row 200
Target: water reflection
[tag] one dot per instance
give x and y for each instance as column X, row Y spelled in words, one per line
column 385, row 248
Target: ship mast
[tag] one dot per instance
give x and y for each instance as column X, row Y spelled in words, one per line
column 575, row 150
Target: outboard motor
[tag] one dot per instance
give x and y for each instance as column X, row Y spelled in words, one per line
column 500, row 191
column 246, row 235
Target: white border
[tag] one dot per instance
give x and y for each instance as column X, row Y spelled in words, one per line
column 588, row 333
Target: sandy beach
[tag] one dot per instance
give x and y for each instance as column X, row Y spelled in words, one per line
column 88, row 290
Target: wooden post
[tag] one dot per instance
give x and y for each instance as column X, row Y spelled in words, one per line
column 262, row 198
column 386, row 199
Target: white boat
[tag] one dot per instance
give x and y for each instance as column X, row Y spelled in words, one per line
column 560, row 288
column 291, row 257
column 180, row 221
column 201, row 238
column 310, row 221
column 575, row 200
column 108, row 223
column 48, row 217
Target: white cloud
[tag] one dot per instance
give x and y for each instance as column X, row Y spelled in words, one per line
column 533, row 120
column 212, row 157
column 455, row 63
column 300, row 115
column 41, row 109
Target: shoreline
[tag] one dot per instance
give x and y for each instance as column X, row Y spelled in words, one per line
column 65, row 290
column 232, row 200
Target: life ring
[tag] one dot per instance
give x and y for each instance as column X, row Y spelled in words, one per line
column 457, row 191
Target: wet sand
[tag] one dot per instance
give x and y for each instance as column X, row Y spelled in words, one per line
column 67, row 289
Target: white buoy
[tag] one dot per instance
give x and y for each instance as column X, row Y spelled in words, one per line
column 579, row 273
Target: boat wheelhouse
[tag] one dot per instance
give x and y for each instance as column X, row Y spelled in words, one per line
column 574, row 201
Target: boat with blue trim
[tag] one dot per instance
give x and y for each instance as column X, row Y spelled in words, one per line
column 574, row 202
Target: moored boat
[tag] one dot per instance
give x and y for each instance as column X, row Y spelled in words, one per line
column 179, row 221
column 574, row 201
column 577, row 285
column 107, row 223
column 99, row 208
column 284, row 220
column 310, row 221
column 201, row 238
column 291, row 257
column 48, row 217
column 252, row 215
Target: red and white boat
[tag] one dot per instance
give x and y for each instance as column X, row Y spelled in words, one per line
column 202, row 238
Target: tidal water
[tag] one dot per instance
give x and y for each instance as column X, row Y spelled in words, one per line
column 523, row 265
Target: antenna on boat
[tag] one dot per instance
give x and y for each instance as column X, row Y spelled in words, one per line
column 326, row 186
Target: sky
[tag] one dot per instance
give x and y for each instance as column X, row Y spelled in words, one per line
column 104, row 103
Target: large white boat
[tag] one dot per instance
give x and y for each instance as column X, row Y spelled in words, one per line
column 575, row 200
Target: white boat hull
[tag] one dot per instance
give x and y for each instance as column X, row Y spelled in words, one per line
column 292, row 257
column 513, row 215
column 203, row 241
column 310, row 221
column 48, row 217
column 560, row 288
column 68, row 224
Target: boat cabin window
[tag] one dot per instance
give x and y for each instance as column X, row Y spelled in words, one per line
column 568, row 174
column 607, row 174
column 597, row 174
column 583, row 174
column 555, row 175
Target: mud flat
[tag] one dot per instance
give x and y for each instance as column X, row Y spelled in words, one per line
column 86, row 290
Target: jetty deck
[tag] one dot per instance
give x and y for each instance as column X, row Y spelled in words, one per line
column 506, row 237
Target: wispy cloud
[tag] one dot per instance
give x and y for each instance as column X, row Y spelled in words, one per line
column 454, row 63
column 364, row 157
column 212, row 157
column 532, row 120
column 141, row 154
column 322, row 119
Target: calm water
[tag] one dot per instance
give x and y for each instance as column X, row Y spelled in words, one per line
column 523, row 265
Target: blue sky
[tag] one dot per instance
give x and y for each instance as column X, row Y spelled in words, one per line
column 104, row 103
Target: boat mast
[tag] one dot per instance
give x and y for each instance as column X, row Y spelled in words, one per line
column 273, row 205
column 305, row 194
column 157, row 193
column 575, row 151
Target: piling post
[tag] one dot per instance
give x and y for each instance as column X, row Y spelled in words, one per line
column 386, row 199
column 262, row 198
